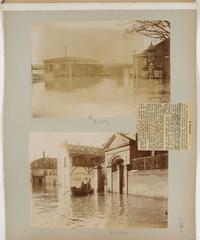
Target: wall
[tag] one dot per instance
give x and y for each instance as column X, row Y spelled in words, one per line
column 152, row 183
column 121, row 152
column 63, row 165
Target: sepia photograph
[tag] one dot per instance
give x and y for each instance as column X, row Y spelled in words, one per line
column 96, row 180
column 98, row 68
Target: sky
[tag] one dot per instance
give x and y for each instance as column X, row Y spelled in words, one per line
column 50, row 141
column 102, row 41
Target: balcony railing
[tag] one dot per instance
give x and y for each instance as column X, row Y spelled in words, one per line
column 150, row 163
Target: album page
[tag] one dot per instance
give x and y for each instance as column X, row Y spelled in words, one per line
column 100, row 124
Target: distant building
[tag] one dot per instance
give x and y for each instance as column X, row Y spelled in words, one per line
column 37, row 73
column 44, row 170
column 68, row 73
column 153, row 62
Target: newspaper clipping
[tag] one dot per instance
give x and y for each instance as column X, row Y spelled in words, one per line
column 164, row 126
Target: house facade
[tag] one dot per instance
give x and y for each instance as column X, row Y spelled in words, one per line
column 153, row 62
column 129, row 171
column 44, row 171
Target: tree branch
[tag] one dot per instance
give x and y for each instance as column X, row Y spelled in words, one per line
column 153, row 29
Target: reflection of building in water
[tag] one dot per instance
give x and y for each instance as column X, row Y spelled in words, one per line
column 117, row 167
column 116, row 69
column 69, row 73
column 44, row 171
column 153, row 62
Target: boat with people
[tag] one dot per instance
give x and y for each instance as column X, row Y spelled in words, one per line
column 84, row 190
column 80, row 192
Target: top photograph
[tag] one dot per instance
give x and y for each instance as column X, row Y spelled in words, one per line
column 101, row 69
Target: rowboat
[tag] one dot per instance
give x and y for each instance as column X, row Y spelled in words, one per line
column 81, row 192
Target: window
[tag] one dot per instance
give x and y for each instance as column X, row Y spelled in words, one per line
column 145, row 62
column 63, row 67
column 50, row 67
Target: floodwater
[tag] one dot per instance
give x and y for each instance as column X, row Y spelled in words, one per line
column 108, row 97
column 51, row 207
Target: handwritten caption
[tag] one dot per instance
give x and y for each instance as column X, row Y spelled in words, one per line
column 95, row 121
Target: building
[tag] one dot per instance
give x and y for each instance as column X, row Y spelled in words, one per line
column 37, row 73
column 77, row 163
column 44, row 171
column 153, row 62
column 129, row 171
column 116, row 167
column 69, row 73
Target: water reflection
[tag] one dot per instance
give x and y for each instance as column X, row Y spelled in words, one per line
column 108, row 97
column 53, row 207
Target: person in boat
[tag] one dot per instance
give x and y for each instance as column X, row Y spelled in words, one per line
column 83, row 186
column 89, row 187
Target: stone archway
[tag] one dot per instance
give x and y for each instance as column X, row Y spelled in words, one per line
column 117, row 171
column 117, row 158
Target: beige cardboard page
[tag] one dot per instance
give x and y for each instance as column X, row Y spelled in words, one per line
column 73, row 165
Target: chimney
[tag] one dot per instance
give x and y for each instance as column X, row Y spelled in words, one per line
column 43, row 154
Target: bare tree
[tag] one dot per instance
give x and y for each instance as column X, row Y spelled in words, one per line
column 159, row 30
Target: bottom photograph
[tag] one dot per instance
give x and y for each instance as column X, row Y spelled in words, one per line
column 96, row 180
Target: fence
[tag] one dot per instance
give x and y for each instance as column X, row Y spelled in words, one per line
column 150, row 163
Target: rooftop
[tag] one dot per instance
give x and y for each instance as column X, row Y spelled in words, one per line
column 164, row 45
column 45, row 159
column 74, row 149
column 72, row 59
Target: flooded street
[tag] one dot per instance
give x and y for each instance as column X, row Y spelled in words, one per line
column 53, row 208
column 120, row 94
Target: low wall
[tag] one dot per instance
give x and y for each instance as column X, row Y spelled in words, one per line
column 151, row 183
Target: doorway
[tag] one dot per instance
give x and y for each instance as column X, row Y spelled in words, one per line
column 100, row 187
column 118, row 175
column 121, row 178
